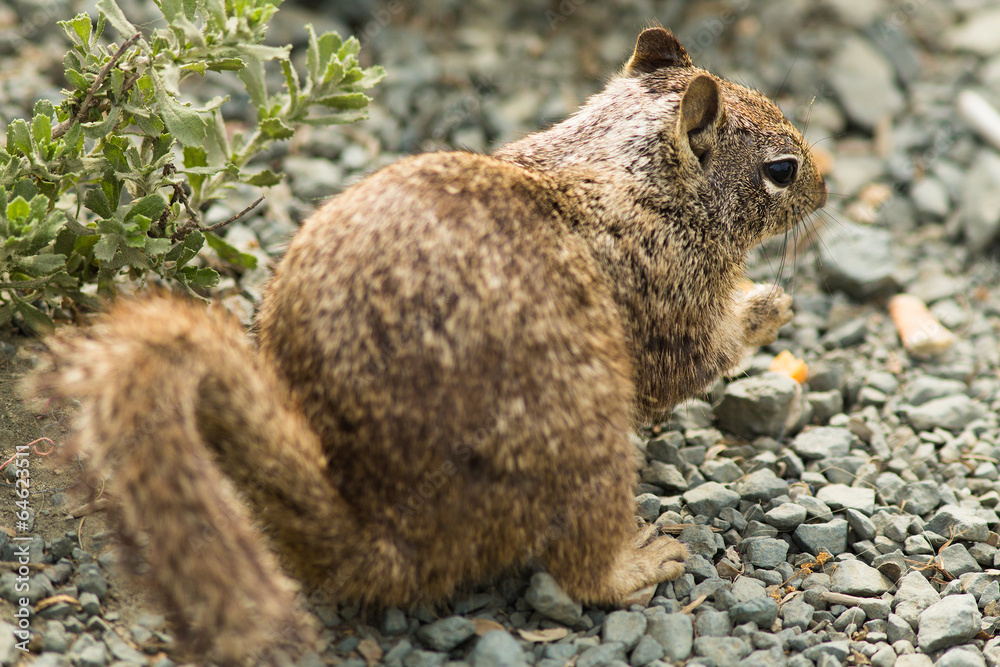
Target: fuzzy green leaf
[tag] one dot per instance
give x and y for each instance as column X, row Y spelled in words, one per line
column 110, row 11
column 106, row 247
column 36, row 320
column 18, row 209
column 203, row 278
column 150, row 207
column 157, row 246
column 184, row 123
column 41, row 265
column 345, row 101
column 78, row 80
column 97, row 201
column 275, row 128
column 19, row 136
column 265, row 178
column 227, row 65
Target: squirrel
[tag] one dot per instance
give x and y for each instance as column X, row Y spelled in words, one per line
column 449, row 359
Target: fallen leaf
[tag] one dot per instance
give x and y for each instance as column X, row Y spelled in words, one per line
column 546, row 635
column 370, row 651
column 484, row 625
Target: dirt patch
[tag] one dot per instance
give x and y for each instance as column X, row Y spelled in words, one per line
column 55, row 493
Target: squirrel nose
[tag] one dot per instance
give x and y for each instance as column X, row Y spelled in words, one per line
column 822, row 190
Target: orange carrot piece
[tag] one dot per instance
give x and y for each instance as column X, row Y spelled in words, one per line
column 787, row 364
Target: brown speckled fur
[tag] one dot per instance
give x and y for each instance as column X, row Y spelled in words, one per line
column 451, row 355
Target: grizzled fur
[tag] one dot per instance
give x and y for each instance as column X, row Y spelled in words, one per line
column 451, row 355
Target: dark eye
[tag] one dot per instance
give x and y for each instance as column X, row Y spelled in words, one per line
column 781, row 172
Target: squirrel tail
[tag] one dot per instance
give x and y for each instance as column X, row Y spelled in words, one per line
column 185, row 424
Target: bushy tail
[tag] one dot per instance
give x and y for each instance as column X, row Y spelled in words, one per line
column 185, row 421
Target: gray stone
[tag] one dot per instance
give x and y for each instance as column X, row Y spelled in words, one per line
column 977, row 33
column 953, row 620
column 913, row 660
column 850, row 333
column 961, row 656
column 955, row 558
column 722, row 471
column 981, row 201
column 862, row 526
column 647, row 505
column 646, row 651
column 764, row 552
column 931, row 197
column 825, row 404
column 90, row 604
column 674, row 632
column 823, row 441
column 919, row 497
column 693, row 413
column 394, row 622
column 624, row 627
column 91, row 655
column 447, row 633
column 90, row 579
column 786, row 516
column 913, row 595
column 830, row 536
column 497, row 649
column 665, row 476
column 713, row 624
column 865, row 83
column 120, row 650
column 815, row 508
column 838, row 650
column 853, row 577
column 928, row 387
column 722, row 650
column 748, row 588
column 548, row 599
column 766, row 404
column 709, row 499
column 760, row 486
column 761, row 610
column 897, row 628
column 960, row 523
column 666, row 448
column 893, row 526
column 917, row 545
column 952, row 413
column 702, row 541
column 797, row 613
column 884, row 657
column 9, row 653
column 602, row 656
column 856, row 259
column 841, row 496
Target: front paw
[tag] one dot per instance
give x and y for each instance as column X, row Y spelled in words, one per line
column 766, row 308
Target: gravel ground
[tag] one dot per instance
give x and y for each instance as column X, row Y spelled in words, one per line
column 851, row 519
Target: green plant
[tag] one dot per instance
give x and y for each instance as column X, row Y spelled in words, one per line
column 112, row 181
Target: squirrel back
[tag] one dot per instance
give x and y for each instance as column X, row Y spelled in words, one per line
column 451, row 354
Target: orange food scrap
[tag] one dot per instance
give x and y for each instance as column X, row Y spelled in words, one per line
column 787, row 364
column 921, row 333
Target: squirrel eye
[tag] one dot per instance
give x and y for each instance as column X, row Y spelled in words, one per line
column 781, row 172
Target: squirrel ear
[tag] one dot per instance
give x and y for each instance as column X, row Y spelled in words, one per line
column 701, row 113
column 656, row 48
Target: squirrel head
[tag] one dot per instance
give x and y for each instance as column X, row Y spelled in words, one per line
column 715, row 159
column 725, row 143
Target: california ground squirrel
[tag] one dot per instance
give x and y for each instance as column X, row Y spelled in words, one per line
column 451, row 355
